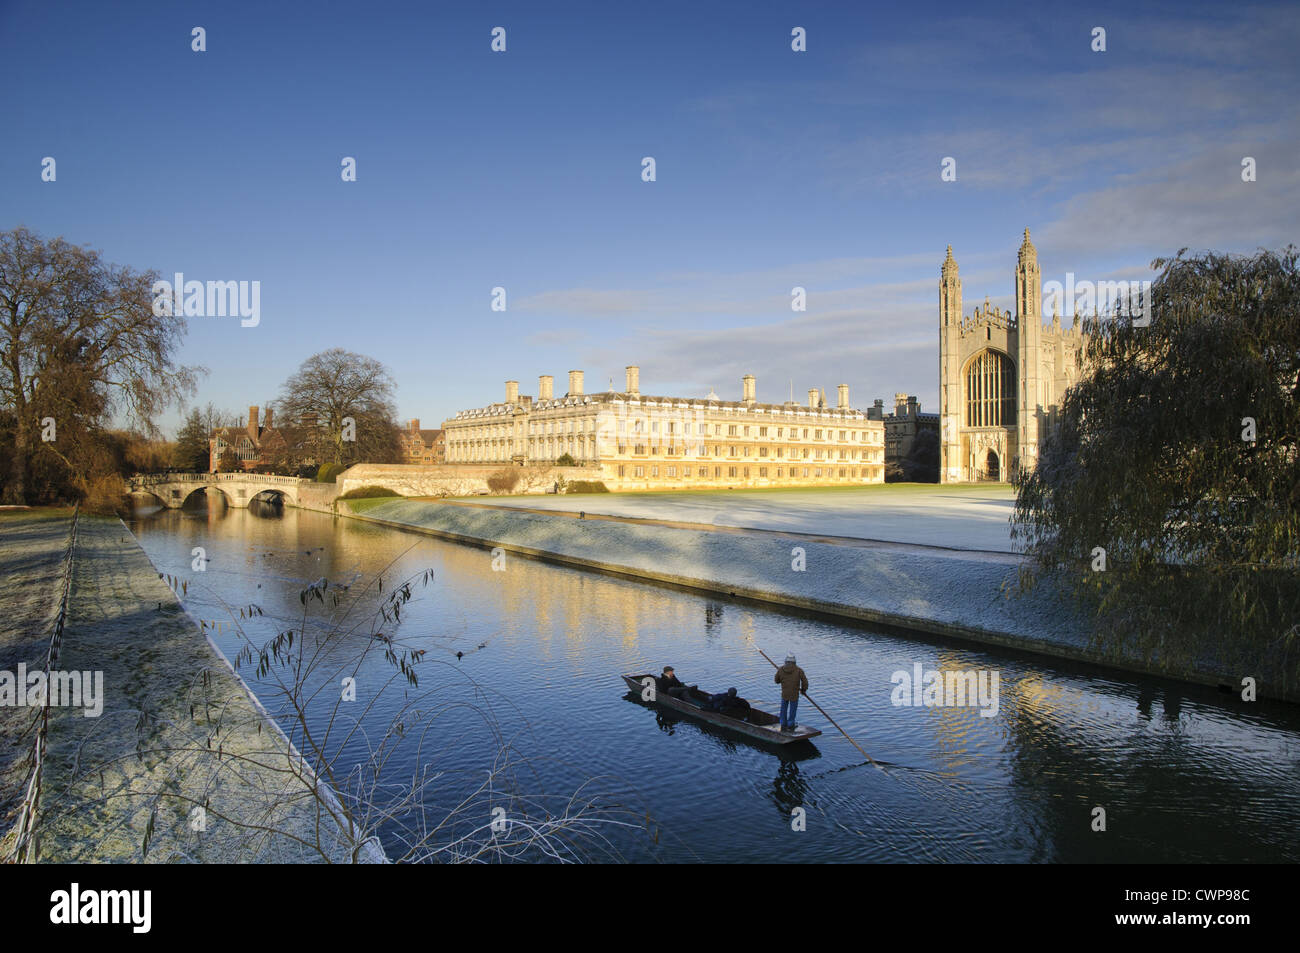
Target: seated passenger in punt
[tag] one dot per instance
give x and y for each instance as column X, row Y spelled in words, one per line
column 669, row 684
column 729, row 703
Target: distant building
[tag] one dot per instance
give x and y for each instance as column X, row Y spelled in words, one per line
column 256, row 445
column 902, row 426
column 643, row 442
column 1001, row 376
column 422, row 446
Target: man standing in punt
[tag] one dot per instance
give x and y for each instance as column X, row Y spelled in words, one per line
column 792, row 680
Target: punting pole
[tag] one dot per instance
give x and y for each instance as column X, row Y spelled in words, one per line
column 829, row 718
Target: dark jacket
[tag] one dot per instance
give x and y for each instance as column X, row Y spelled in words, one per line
column 726, row 702
column 792, row 681
column 665, row 682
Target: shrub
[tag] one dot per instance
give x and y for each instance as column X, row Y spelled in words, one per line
column 566, row 460
column 503, row 481
column 329, row 472
column 106, row 496
column 586, row 486
column 367, row 492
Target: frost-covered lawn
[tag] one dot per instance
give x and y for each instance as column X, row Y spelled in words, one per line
column 959, row 516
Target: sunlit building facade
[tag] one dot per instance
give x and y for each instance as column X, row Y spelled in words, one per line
column 1001, row 376
column 638, row 441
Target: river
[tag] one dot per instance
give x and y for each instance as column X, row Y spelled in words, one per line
column 1182, row 773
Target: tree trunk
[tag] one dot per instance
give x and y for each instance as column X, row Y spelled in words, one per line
column 16, row 488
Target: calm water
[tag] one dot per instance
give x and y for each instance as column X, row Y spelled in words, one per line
column 1184, row 774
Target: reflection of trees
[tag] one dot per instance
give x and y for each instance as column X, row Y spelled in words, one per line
column 1165, row 797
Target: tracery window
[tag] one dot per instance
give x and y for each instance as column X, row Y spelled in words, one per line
column 990, row 391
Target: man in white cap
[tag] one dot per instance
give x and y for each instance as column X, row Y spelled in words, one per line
column 792, row 680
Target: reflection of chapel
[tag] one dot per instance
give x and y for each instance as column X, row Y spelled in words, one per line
column 1001, row 376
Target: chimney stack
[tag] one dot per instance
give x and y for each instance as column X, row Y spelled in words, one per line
column 268, row 418
column 634, row 380
column 900, row 405
column 545, row 387
column 413, row 425
column 812, row 397
column 512, row 392
column 575, row 384
column 748, row 389
column 843, row 402
column 252, row 421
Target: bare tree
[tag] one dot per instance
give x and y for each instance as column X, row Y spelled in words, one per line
column 79, row 342
column 344, row 404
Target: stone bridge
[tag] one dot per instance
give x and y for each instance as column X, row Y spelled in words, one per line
column 173, row 489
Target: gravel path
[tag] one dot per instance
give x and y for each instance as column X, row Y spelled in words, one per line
column 31, row 565
column 179, row 730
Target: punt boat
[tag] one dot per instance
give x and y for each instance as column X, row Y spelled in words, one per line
column 754, row 723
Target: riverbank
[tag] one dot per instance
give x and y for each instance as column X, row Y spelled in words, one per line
column 183, row 764
column 933, row 591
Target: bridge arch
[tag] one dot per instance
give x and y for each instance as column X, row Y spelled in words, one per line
column 143, row 494
column 187, row 493
column 238, row 489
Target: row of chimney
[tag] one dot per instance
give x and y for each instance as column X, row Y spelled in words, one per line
column 546, row 389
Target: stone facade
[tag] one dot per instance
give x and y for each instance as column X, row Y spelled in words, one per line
column 1001, row 376
column 902, row 426
column 457, row 480
column 634, row 441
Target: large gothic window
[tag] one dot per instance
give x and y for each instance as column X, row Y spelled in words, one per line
column 990, row 391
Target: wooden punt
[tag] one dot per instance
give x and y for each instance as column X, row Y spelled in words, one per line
column 755, row 723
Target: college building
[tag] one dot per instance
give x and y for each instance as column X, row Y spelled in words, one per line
column 902, row 426
column 421, row 446
column 1001, row 376
column 638, row 441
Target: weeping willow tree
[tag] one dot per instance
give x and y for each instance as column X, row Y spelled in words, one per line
column 1167, row 499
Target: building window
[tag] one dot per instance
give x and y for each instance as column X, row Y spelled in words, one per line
column 654, row 471
column 731, row 471
column 639, row 471
column 990, row 391
column 672, row 471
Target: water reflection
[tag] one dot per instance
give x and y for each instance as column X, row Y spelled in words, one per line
column 1185, row 774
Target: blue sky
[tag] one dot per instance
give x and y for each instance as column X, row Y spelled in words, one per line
column 522, row 169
